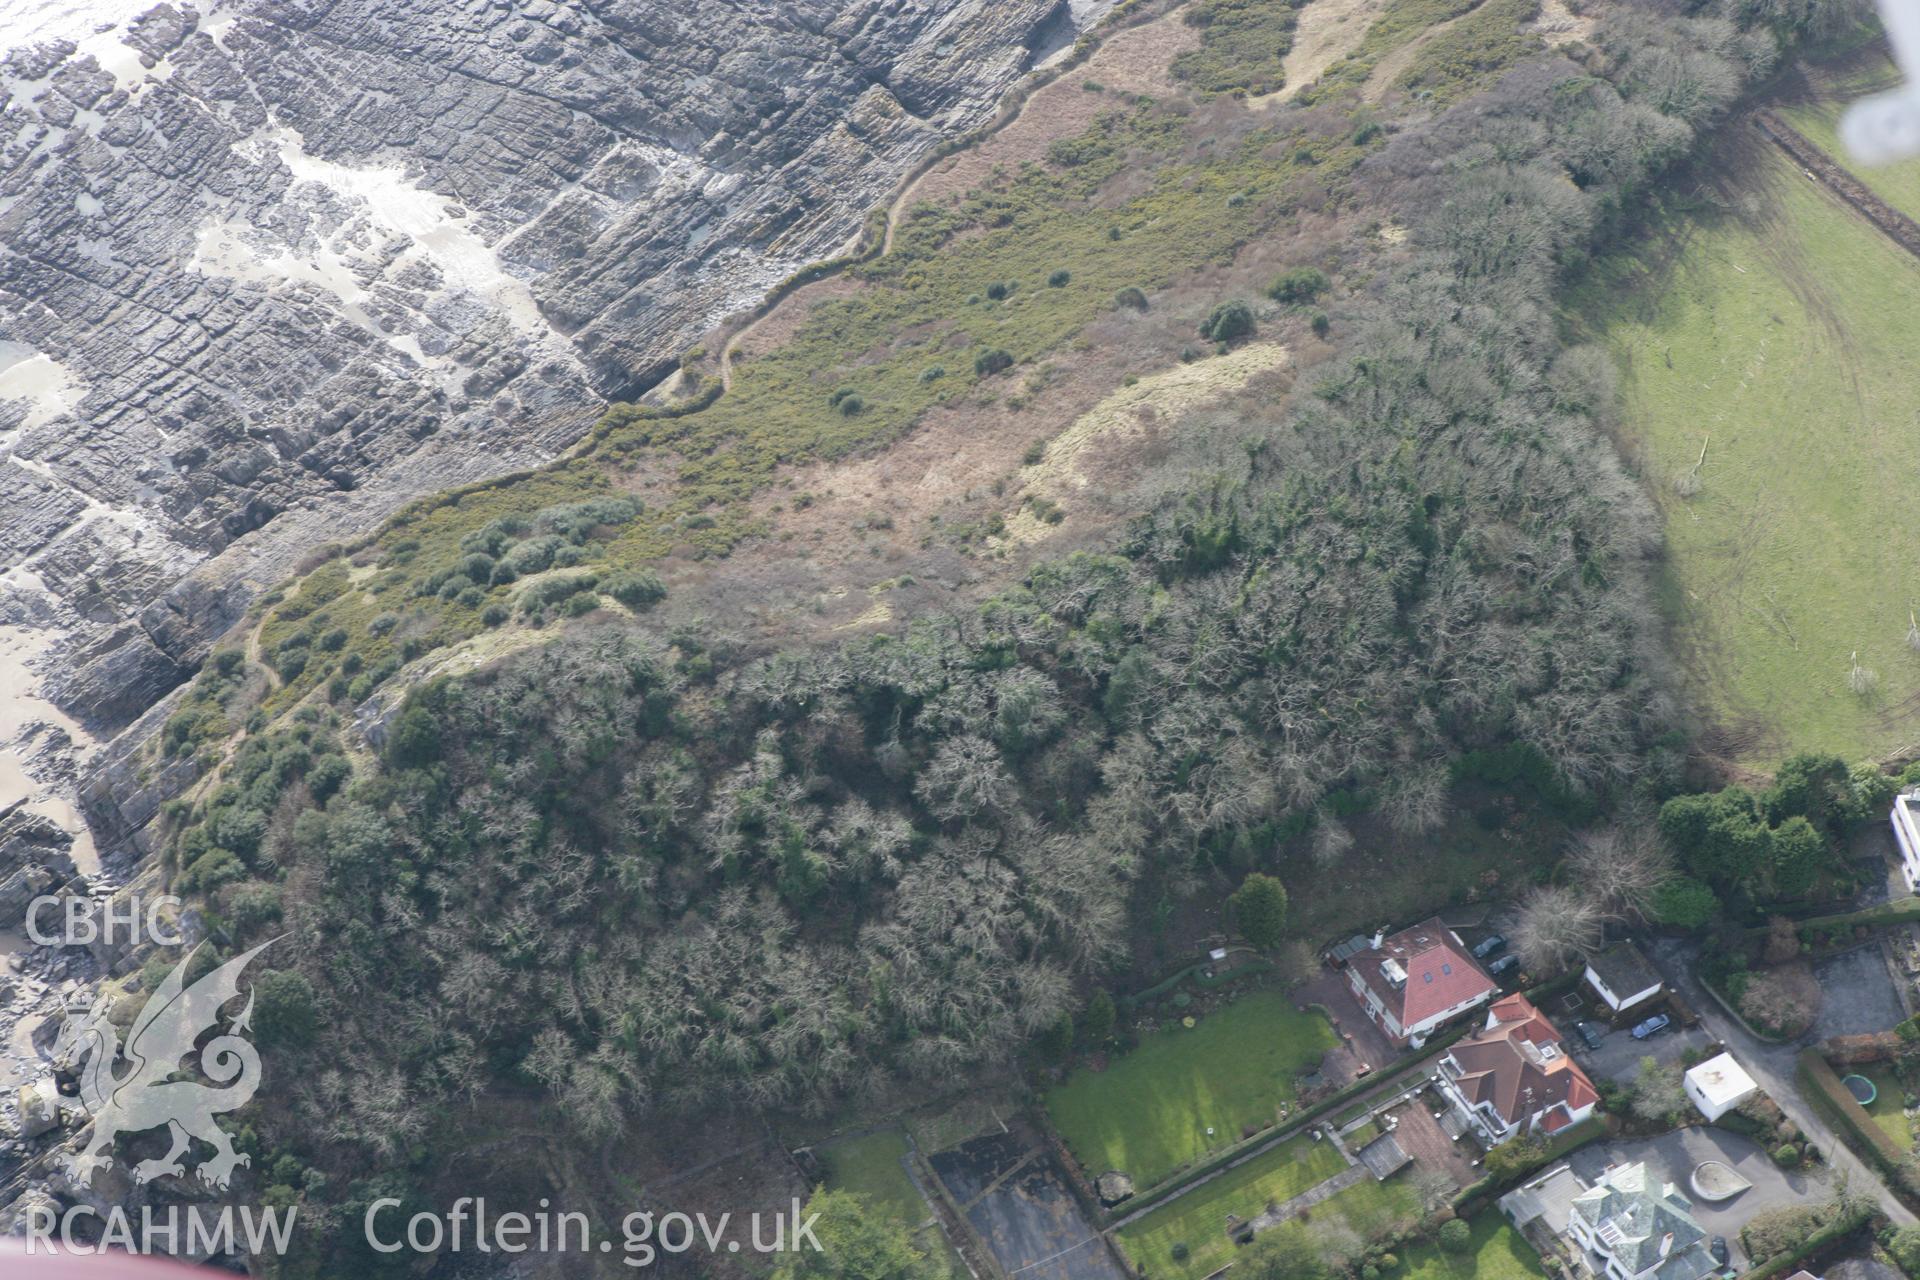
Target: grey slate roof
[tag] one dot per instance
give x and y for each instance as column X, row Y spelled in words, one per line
column 1642, row 1219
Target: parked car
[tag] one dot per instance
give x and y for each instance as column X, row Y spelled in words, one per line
column 1591, row 1033
column 1488, row 945
column 1504, row 965
column 1717, row 1248
column 1652, row 1027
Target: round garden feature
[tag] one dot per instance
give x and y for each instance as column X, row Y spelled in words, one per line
column 1716, row 1180
column 1861, row 1088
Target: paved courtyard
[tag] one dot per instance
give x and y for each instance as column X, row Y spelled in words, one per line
column 1421, row 1137
column 1860, row 996
column 1674, row 1155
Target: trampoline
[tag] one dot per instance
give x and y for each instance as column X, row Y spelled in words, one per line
column 1861, row 1088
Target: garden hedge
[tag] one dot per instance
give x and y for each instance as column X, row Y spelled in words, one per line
column 1196, row 971
column 1836, row 1230
column 1827, row 1091
column 1899, row 911
column 1174, row 1183
column 1467, row 1200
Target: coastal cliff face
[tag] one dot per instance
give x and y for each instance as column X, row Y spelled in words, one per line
column 270, row 270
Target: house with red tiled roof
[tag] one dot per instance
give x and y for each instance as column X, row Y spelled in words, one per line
column 1514, row 1077
column 1417, row 980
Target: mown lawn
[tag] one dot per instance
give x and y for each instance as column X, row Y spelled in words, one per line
column 1780, row 333
column 1498, row 1253
column 871, row 1166
column 1888, row 1109
column 1371, row 1210
column 1148, row 1113
column 1198, row 1219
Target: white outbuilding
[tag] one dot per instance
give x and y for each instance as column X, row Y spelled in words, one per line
column 1718, row 1085
column 1623, row 977
column 1906, row 832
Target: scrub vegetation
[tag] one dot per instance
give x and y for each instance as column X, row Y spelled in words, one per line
column 631, row 871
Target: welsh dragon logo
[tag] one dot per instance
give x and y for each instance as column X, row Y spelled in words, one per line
column 146, row 1097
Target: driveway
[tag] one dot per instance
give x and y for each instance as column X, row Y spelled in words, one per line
column 1872, row 850
column 1862, row 1269
column 1673, row 1156
column 1618, row 1057
column 1860, row 996
column 1772, row 1066
column 1363, row 1043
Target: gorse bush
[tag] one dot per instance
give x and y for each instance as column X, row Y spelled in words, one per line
column 991, row 361
column 1228, row 321
column 1300, row 284
column 1243, row 44
column 550, row 591
column 635, row 590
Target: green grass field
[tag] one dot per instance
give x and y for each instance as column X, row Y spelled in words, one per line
column 1781, row 334
column 871, row 1166
column 1897, row 184
column 1198, row 1219
column 1498, row 1253
column 1149, row 1111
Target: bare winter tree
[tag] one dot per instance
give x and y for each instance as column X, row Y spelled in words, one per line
column 1433, row 1187
column 1861, row 680
column 1658, row 1093
column 1556, row 924
column 1416, row 798
column 1331, row 839
column 1620, row 868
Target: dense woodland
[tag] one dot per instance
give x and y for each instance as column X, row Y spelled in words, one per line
column 641, row 875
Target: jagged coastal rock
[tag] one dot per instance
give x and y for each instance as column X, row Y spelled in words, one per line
column 268, row 270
